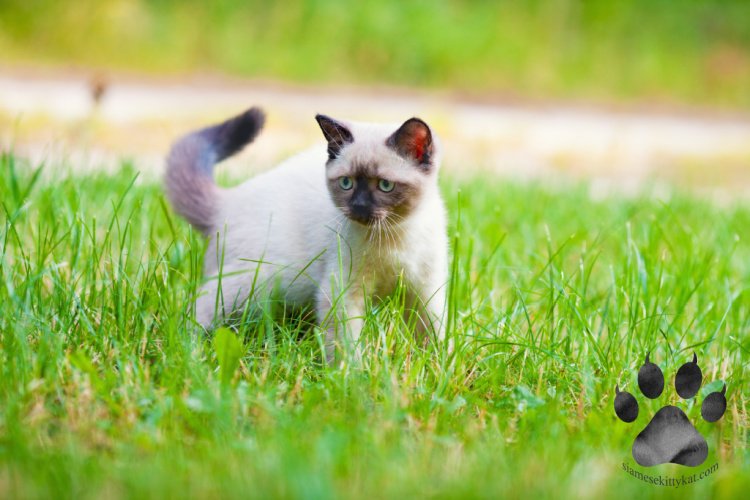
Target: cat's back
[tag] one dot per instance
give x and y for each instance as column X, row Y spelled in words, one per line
column 296, row 182
column 282, row 213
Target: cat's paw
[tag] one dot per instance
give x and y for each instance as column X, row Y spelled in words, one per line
column 670, row 437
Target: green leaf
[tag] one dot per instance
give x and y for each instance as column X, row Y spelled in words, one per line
column 716, row 385
column 229, row 350
column 526, row 398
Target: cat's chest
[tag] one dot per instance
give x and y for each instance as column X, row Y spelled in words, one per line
column 381, row 271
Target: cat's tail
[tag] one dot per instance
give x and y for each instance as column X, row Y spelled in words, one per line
column 189, row 179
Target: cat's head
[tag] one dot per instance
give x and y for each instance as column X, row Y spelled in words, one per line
column 376, row 173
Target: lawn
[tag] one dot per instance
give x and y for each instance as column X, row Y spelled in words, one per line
column 665, row 51
column 107, row 389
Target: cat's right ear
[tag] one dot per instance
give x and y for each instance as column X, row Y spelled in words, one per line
column 335, row 133
column 413, row 140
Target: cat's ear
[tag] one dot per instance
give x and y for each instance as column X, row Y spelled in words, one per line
column 413, row 140
column 335, row 133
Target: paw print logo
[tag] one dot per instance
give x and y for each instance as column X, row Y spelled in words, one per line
column 670, row 437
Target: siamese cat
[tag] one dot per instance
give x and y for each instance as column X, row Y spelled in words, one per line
column 327, row 229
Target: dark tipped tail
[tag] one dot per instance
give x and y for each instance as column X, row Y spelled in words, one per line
column 189, row 180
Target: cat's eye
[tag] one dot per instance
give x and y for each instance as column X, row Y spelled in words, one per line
column 346, row 183
column 386, row 185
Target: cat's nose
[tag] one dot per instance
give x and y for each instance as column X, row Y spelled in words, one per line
column 360, row 206
column 360, row 212
column 360, row 203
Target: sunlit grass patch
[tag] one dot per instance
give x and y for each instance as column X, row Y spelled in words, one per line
column 108, row 389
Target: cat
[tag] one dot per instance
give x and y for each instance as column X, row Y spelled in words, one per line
column 327, row 229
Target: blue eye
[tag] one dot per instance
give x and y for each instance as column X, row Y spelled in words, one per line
column 346, row 183
column 386, row 186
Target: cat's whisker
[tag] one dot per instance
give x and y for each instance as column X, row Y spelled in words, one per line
column 381, row 231
column 390, row 232
column 395, row 218
column 336, row 222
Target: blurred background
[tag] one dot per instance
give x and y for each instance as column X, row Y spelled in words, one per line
column 621, row 92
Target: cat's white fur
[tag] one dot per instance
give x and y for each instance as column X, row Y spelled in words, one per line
column 280, row 233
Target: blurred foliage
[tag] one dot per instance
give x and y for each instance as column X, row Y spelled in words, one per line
column 647, row 50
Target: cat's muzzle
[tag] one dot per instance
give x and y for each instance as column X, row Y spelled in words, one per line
column 363, row 215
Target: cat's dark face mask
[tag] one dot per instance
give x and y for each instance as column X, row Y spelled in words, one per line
column 367, row 199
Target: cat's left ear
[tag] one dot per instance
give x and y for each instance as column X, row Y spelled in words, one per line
column 335, row 133
column 413, row 140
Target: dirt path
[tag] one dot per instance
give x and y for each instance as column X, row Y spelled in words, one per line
column 50, row 117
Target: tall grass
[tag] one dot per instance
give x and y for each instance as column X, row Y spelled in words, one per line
column 107, row 389
column 647, row 50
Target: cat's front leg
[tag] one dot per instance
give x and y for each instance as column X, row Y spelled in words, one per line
column 341, row 315
column 428, row 303
column 436, row 311
column 428, row 297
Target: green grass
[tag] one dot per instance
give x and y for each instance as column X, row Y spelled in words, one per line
column 108, row 390
column 667, row 51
